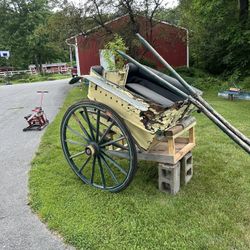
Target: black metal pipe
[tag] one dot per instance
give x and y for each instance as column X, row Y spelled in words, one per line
column 192, row 91
column 214, row 119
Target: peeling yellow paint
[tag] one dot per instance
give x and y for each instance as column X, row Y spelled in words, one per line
column 142, row 125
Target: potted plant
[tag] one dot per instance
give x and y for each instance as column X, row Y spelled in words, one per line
column 114, row 69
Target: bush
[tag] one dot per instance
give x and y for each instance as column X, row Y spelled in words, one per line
column 2, row 80
column 209, row 83
column 148, row 63
column 35, row 79
column 21, row 80
column 186, row 71
column 20, row 76
column 245, row 83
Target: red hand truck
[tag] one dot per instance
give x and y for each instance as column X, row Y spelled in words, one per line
column 37, row 120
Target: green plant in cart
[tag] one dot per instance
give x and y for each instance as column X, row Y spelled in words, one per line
column 110, row 50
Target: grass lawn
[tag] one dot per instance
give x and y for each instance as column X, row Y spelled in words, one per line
column 25, row 78
column 211, row 212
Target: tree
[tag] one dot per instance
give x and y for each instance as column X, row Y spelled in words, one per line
column 98, row 10
column 65, row 23
column 219, row 42
column 42, row 48
column 35, row 34
column 169, row 15
column 244, row 9
column 103, row 10
column 21, row 17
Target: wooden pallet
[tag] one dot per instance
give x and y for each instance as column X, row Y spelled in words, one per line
column 173, row 146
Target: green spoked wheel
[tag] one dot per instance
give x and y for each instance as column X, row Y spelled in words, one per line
column 93, row 138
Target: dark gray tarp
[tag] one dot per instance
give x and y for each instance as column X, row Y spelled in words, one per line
column 150, row 94
column 143, row 84
column 135, row 71
column 175, row 82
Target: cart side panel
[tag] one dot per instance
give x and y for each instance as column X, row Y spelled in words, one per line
column 130, row 114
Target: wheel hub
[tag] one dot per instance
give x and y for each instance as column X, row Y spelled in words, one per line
column 92, row 149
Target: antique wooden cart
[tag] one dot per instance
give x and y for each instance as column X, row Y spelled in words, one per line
column 126, row 117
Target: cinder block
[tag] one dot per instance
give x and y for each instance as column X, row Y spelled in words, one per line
column 186, row 168
column 169, row 178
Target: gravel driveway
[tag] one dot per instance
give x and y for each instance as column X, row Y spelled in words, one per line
column 19, row 227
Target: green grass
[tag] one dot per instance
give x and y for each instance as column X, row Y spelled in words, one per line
column 26, row 78
column 211, row 212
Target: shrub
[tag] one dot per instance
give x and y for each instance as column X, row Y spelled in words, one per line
column 245, row 83
column 21, row 80
column 20, row 76
column 186, row 71
column 148, row 63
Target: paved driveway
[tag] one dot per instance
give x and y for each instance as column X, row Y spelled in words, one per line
column 19, row 228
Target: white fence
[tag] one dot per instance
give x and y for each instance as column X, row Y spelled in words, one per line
column 54, row 70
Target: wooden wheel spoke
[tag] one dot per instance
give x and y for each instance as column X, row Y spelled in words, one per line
column 77, row 154
column 93, row 170
column 115, row 163
column 75, row 142
column 119, row 146
column 112, row 142
column 76, row 133
column 106, row 132
column 84, row 164
column 109, row 169
column 89, row 123
column 102, row 173
column 97, row 126
column 93, row 128
column 119, row 153
column 81, row 126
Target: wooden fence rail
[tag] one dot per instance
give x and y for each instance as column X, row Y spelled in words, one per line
column 16, row 72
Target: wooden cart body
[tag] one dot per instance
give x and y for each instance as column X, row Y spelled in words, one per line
column 146, row 119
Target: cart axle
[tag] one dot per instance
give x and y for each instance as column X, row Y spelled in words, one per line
column 92, row 149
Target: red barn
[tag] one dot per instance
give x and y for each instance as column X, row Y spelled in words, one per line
column 169, row 40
